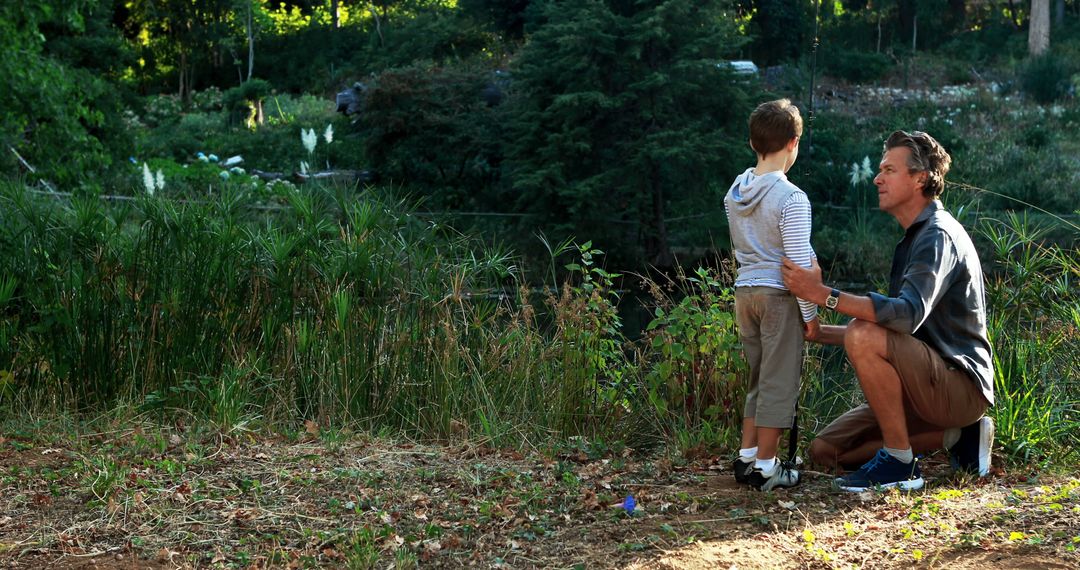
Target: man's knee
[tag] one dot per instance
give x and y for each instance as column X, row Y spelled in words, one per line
column 823, row 453
column 864, row 337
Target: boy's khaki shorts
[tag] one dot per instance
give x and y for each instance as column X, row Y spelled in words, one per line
column 937, row 395
column 771, row 332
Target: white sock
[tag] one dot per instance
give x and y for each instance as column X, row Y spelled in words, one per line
column 748, row 452
column 952, row 435
column 765, row 465
column 904, row 455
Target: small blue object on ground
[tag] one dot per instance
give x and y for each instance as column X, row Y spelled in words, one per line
column 629, row 505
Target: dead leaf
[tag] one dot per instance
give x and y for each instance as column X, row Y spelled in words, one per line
column 451, row 541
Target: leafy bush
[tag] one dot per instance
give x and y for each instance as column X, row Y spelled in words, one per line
column 1046, row 78
column 275, row 146
column 431, row 128
column 856, row 66
column 695, row 376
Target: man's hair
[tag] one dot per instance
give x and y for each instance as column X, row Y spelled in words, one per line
column 927, row 155
column 773, row 125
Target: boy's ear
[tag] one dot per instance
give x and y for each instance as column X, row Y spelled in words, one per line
column 793, row 142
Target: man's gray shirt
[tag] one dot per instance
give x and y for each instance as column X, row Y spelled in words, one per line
column 936, row 294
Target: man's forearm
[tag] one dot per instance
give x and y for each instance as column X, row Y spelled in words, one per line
column 831, row 334
column 856, row 306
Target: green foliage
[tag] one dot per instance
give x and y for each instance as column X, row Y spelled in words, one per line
column 625, row 107
column 506, row 17
column 61, row 120
column 331, row 306
column 246, row 94
column 1046, row 78
column 430, row 127
column 275, row 146
column 695, row 373
column 1035, row 328
column 316, row 57
column 855, row 66
column 781, row 29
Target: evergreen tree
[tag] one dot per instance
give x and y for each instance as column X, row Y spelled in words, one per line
column 620, row 107
column 55, row 116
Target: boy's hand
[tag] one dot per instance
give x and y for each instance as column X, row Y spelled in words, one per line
column 812, row 329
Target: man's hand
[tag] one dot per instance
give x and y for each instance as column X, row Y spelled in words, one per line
column 805, row 283
column 812, row 329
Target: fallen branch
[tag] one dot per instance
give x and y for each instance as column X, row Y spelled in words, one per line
column 32, row 170
column 343, row 175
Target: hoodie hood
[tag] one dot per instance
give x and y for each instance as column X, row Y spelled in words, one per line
column 748, row 190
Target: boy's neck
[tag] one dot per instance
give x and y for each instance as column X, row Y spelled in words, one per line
column 774, row 162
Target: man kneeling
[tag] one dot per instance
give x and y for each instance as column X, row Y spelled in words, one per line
column 921, row 353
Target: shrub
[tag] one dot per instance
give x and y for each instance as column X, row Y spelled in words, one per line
column 856, row 66
column 1045, row 78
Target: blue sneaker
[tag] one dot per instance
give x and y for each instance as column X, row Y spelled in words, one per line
column 883, row 471
column 971, row 453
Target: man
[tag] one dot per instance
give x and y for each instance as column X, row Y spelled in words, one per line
column 921, row 353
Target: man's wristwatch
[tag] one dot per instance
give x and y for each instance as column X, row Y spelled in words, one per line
column 832, row 299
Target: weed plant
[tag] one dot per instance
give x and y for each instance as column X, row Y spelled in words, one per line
column 1035, row 329
column 339, row 308
column 343, row 309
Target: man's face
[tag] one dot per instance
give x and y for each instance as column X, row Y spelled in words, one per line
column 897, row 187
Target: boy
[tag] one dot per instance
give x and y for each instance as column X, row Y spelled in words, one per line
column 769, row 218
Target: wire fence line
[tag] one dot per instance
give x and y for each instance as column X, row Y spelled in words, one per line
column 453, row 213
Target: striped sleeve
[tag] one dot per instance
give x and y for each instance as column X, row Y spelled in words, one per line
column 795, row 234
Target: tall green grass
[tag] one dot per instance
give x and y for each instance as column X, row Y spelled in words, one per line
column 1035, row 330
column 339, row 308
column 342, row 308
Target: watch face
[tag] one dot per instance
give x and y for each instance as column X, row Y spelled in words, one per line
column 832, row 300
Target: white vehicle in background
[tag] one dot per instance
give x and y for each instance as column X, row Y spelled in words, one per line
column 740, row 66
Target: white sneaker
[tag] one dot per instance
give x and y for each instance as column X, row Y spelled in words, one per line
column 781, row 475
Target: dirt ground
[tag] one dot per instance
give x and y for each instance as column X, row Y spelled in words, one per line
column 141, row 498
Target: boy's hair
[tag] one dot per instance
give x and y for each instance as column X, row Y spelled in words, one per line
column 927, row 155
column 773, row 125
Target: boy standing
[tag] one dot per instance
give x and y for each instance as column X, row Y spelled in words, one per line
column 769, row 219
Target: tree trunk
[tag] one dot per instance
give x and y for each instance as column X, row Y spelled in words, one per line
column 251, row 41
column 906, row 12
column 378, row 23
column 1039, row 27
column 1059, row 12
column 914, row 32
column 661, row 250
column 957, row 14
column 334, row 14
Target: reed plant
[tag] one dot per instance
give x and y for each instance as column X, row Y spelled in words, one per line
column 340, row 307
column 336, row 307
column 1035, row 331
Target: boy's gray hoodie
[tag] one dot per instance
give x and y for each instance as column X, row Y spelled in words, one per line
column 755, row 206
